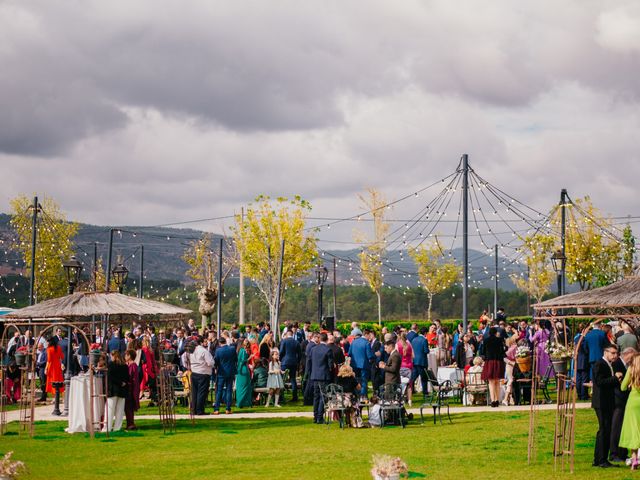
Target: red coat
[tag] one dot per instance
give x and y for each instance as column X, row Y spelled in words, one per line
column 54, row 367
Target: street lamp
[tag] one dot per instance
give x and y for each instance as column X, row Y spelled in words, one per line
column 120, row 275
column 321, row 276
column 558, row 260
column 72, row 269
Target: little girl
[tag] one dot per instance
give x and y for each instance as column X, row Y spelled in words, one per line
column 274, row 383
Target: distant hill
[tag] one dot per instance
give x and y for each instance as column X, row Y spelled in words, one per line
column 164, row 247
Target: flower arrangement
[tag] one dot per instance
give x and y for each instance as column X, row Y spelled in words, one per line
column 167, row 346
column 386, row 466
column 523, row 351
column 557, row 351
column 10, row 468
column 24, row 349
column 95, row 348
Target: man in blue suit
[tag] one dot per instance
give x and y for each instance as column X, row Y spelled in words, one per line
column 595, row 342
column 361, row 358
column 116, row 343
column 226, row 363
column 320, row 366
column 413, row 333
column 582, row 366
column 420, row 358
column 290, row 353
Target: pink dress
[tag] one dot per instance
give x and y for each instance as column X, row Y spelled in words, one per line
column 407, row 356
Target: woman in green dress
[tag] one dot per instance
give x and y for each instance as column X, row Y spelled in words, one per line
column 244, row 393
column 630, row 434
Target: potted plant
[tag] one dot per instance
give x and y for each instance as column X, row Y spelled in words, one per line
column 560, row 356
column 10, row 468
column 386, row 467
column 21, row 356
column 523, row 358
column 168, row 352
column 95, row 351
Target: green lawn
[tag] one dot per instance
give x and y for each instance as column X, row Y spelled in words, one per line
column 476, row 445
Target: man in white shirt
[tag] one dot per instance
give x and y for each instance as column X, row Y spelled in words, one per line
column 200, row 362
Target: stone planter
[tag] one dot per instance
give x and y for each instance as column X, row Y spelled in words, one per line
column 169, row 355
column 94, row 357
column 524, row 364
column 21, row 359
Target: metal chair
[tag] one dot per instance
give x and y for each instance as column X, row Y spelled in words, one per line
column 333, row 397
column 438, row 398
column 474, row 385
column 391, row 400
column 544, row 384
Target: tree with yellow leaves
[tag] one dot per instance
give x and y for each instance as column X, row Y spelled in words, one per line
column 374, row 249
column 54, row 244
column 593, row 250
column 537, row 250
column 258, row 238
column 435, row 272
column 203, row 270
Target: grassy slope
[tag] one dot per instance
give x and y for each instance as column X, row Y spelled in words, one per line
column 478, row 446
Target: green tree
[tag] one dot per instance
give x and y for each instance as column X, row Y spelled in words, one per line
column 628, row 251
column 374, row 249
column 258, row 238
column 54, row 243
column 435, row 272
column 537, row 250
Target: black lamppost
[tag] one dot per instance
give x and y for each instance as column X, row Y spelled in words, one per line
column 321, row 277
column 558, row 261
column 72, row 269
column 120, row 275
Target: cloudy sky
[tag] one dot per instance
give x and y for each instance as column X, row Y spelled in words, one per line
column 153, row 112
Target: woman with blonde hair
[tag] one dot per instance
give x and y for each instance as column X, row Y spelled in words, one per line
column 510, row 361
column 346, row 379
column 630, row 434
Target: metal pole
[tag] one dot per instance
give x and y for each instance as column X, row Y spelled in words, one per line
column 141, row 280
column 563, row 203
column 319, row 280
column 34, row 238
column 465, row 238
column 241, row 313
column 95, row 266
column 495, row 287
column 276, row 327
column 67, row 375
column 219, row 303
column 335, row 295
column 108, row 285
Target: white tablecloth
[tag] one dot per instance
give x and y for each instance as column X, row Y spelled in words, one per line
column 432, row 361
column 450, row 373
column 80, row 401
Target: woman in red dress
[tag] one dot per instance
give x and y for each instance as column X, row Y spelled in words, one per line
column 149, row 370
column 53, row 370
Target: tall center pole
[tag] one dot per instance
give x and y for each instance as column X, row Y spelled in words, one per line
column 335, row 295
column 219, row 303
column 141, row 279
column 241, row 314
column 34, row 238
column 563, row 206
column 495, row 285
column 108, row 285
column 465, row 239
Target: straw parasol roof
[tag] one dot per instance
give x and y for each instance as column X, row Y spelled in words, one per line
column 85, row 304
column 621, row 294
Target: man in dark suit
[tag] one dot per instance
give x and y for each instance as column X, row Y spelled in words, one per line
column 413, row 333
column 594, row 342
column 582, row 366
column 392, row 367
column 320, row 368
column 312, row 342
column 289, row 357
column 116, row 342
column 605, row 381
column 377, row 378
column 420, row 359
column 619, row 454
column 225, row 361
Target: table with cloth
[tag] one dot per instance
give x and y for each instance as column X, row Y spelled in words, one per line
column 80, row 402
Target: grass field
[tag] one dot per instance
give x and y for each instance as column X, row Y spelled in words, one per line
column 475, row 446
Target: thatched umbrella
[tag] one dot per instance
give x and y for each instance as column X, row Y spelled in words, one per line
column 621, row 294
column 86, row 304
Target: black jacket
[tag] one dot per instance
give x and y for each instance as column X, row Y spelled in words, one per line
column 118, row 380
column 320, row 363
column 494, row 348
column 604, row 385
column 620, row 396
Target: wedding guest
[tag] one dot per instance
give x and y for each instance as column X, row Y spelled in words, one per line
column 12, row 383
column 117, row 391
column 244, row 391
column 493, row 371
column 53, row 370
column 266, row 345
column 275, row 383
column 132, row 401
column 630, row 434
column 392, row 365
column 539, row 338
column 226, row 363
column 41, row 366
column 618, row 453
column 346, row 379
column 200, row 362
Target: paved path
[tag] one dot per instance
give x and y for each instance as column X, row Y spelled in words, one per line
column 43, row 413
